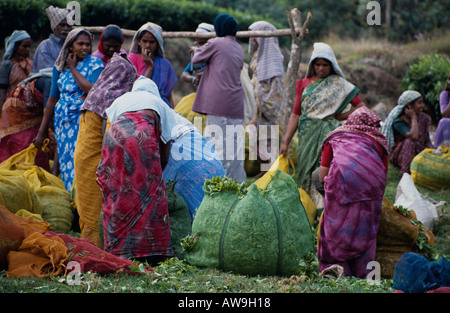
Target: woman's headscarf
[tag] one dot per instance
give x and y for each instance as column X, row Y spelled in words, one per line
column 10, row 42
column 60, row 62
column 153, row 29
column 364, row 121
column 405, row 98
column 111, row 32
column 145, row 96
column 269, row 59
column 116, row 79
column 225, row 25
column 323, row 51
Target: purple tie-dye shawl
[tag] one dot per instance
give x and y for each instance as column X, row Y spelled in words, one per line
column 354, row 189
column 116, row 79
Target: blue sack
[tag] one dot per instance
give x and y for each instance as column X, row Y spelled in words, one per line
column 416, row 274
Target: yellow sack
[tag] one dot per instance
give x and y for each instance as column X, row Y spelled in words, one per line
column 56, row 208
column 16, row 193
column 24, row 185
column 184, row 108
column 38, row 177
column 26, row 214
column 282, row 164
column 431, row 168
column 24, row 159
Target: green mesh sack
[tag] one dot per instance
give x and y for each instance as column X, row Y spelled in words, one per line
column 180, row 219
column 264, row 232
column 56, row 208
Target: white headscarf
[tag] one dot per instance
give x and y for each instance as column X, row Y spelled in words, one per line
column 406, row 97
column 155, row 30
column 10, row 42
column 269, row 59
column 145, row 96
column 323, row 51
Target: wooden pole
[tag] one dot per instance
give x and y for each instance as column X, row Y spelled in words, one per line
column 295, row 23
column 184, row 34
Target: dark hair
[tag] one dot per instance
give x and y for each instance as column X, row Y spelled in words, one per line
column 112, row 32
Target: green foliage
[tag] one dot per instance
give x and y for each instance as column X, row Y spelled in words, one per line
column 223, row 183
column 429, row 77
column 171, row 15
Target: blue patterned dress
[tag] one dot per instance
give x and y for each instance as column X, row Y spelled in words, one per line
column 67, row 114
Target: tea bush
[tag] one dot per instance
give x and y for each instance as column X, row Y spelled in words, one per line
column 429, row 77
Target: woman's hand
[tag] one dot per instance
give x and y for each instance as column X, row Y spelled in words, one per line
column 284, row 150
column 147, row 57
column 39, row 140
column 71, row 60
column 409, row 112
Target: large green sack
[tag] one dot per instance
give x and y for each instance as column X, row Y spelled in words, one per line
column 57, row 209
column 263, row 232
column 180, row 219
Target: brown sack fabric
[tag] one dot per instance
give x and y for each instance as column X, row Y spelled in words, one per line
column 28, row 224
column 11, row 236
column 38, row 256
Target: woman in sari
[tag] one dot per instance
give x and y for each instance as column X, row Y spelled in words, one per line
column 16, row 65
column 116, row 79
column 136, row 219
column 406, row 129
column 354, row 171
column 111, row 41
column 323, row 99
column 21, row 118
column 74, row 73
column 268, row 84
column 147, row 55
column 442, row 136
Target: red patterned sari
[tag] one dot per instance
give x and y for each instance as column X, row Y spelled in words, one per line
column 135, row 208
column 20, row 121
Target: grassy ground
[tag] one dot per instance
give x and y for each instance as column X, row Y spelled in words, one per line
column 176, row 276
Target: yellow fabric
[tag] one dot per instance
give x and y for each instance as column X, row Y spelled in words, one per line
column 38, row 256
column 16, row 193
column 27, row 222
column 39, row 177
column 26, row 186
column 432, row 170
column 282, row 164
column 25, row 214
column 184, row 107
column 88, row 195
column 24, row 159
